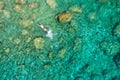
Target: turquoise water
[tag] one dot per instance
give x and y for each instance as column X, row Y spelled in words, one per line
column 85, row 43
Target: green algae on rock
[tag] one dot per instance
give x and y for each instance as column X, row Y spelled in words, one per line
column 33, row 5
column 17, row 41
column 1, row 5
column 62, row 53
column 64, row 17
column 117, row 31
column 75, row 9
column 25, row 23
column 78, row 45
column 18, row 8
column 116, row 59
column 51, row 3
column 20, row 1
column 25, row 32
column 109, row 48
column 6, row 13
column 39, row 43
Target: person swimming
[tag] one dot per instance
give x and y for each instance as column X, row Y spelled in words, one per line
column 48, row 31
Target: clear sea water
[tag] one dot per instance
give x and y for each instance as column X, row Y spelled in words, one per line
column 87, row 47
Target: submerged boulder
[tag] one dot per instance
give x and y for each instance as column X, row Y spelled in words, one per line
column 64, row 17
column 116, row 59
column 117, row 31
column 20, row 1
column 39, row 43
column 51, row 3
column 75, row 8
column 1, row 5
column 109, row 48
column 33, row 5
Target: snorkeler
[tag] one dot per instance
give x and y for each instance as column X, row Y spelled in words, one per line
column 48, row 31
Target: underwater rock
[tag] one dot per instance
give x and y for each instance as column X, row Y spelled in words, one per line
column 103, row 1
column 62, row 53
column 17, row 41
column 92, row 16
column 28, row 40
column 46, row 66
column 73, row 29
column 33, row 5
column 20, row 1
column 7, row 50
column 25, row 23
column 64, row 17
column 1, row 5
column 51, row 55
column 6, row 13
column 39, row 43
column 78, row 45
column 75, row 9
column 117, row 31
column 116, row 77
column 116, row 59
column 109, row 48
column 18, row 8
column 1, row 24
column 51, row 3
column 25, row 32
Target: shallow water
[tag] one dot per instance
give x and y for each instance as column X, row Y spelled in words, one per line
column 85, row 43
